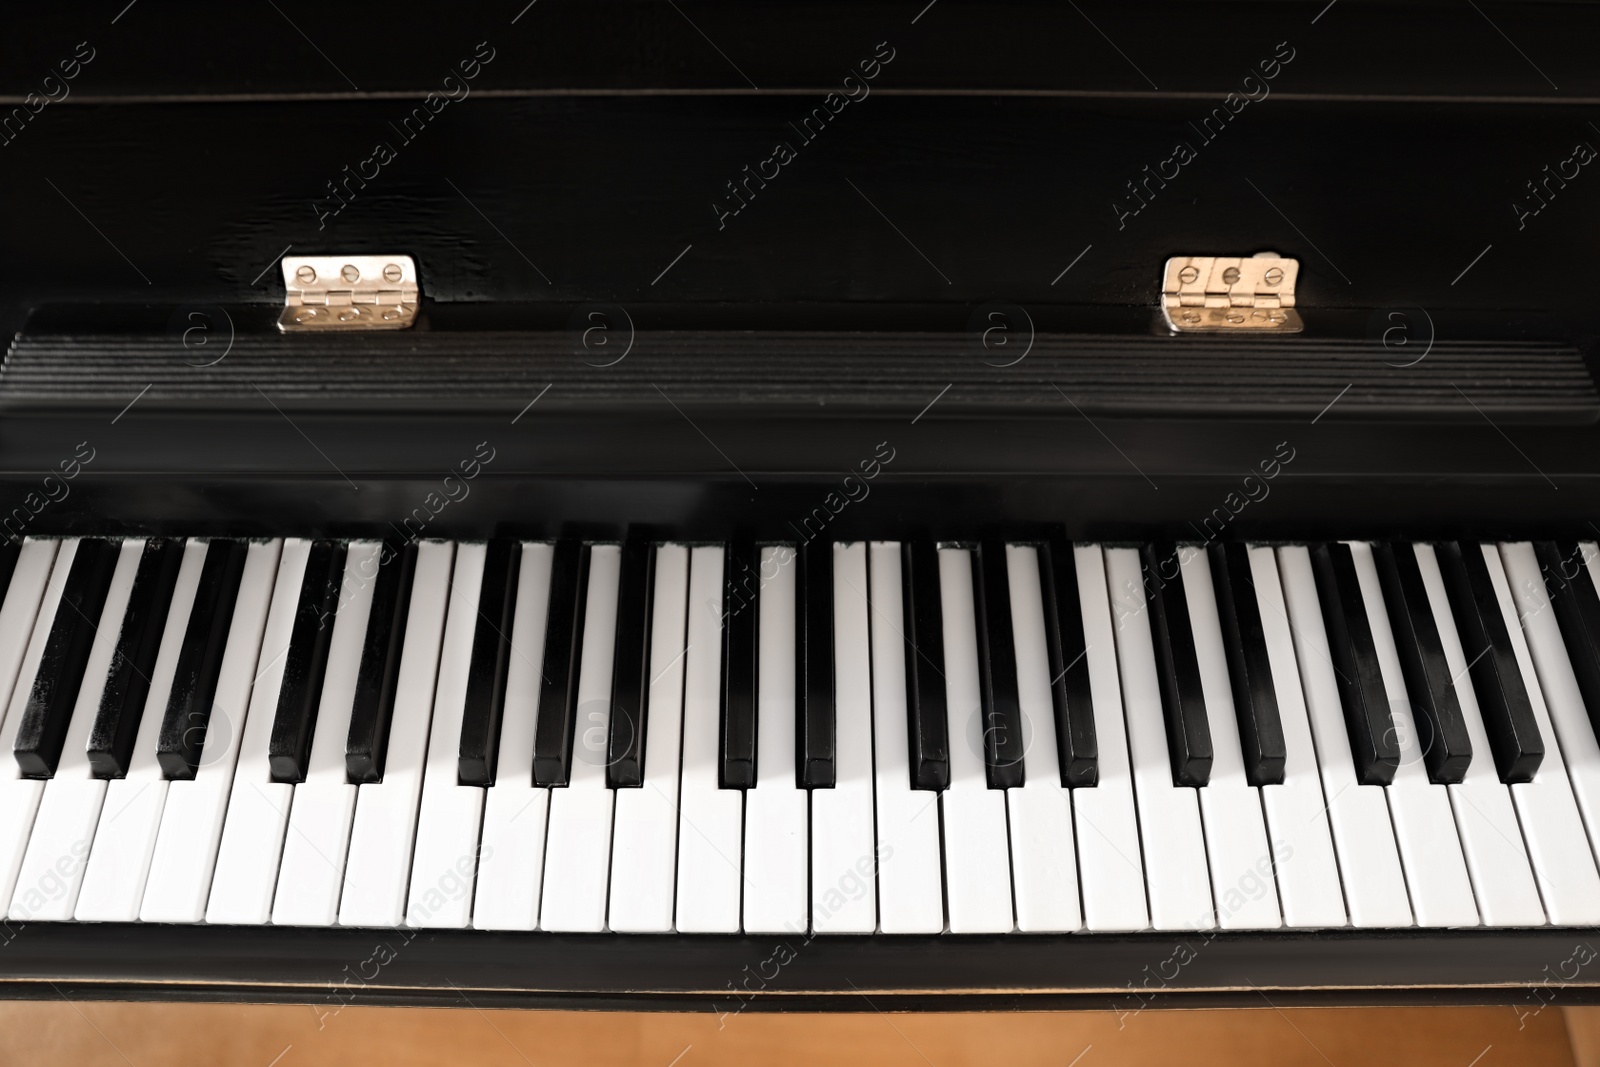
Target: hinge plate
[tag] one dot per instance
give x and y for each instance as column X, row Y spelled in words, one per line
column 1227, row 294
column 349, row 293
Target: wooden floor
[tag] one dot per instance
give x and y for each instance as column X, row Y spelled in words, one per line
column 168, row 1035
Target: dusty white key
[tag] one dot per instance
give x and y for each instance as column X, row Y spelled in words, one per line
column 1558, row 849
column 1241, row 860
column 577, row 857
column 776, row 844
column 1569, row 718
column 29, row 630
column 1369, row 859
column 1110, row 858
column 843, row 841
column 192, row 818
column 258, row 808
column 1424, row 825
column 1169, row 814
column 644, row 845
column 312, row 871
column 130, row 817
column 910, row 878
column 976, row 845
column 511, row 860
column 1044, row 868
column 711, row 820
column 1297, row 811
column 445, row 862
column 378, row 869
column 1491, row 839
column 63, row 831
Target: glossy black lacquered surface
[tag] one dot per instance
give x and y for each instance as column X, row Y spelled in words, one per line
column 1255, row 697
column 122, row 702
column 378, row 676
column 187, row 716
column 630, row 671
column 1374, row 741
column 1183, row 704
column 306, row 661
column 927, row 717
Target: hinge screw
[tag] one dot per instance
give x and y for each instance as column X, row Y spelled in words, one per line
column 350, row 274
column 306, row 275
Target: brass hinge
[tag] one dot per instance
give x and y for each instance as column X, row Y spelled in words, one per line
column 1223, row 294
column 349, row 293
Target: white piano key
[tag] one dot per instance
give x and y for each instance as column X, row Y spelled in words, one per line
column 1558, row 850
column 577, row 858
column 1491, row 839
column 1297, row 811
column 1424, row 824
column 1569, row 719
column 1169, row 814
column 312, row 871
column 910, row 879
column 1044, row 868
column 445, row 861
column 776, row 843
column 258, row 808
column 41, row 586
column 378, row 869
column 645, row 840
column 843, row 841
column 1110, row 858
column 69, row 809
column 1241, row 860
column 130, row 817
column 1369, row 860
column 976, row 845
column 711, row 820
column 192, row 819
column 511, row 860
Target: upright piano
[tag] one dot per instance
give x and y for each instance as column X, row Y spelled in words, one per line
column 801, row 505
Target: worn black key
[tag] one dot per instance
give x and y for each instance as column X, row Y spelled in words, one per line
column 630, row 671
column 1508, row 717
column 741, row 584
column 379, row 672
column 1441, row 728
column 817, row 732
column 486, row 669
column 1070, row 692
column 1255, row 699
column 1572, row 594
column 923, row 623
column 116, row 723
column 1373, row 742
column 563, row 644
column 194, row 683
column 43, row 729
column 1183, row 703
column 304, row 664
column 1003, row 741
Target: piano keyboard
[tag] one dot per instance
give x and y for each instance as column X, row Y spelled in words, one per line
column 839, row 738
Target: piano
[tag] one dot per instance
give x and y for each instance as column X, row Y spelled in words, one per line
column 784, row 507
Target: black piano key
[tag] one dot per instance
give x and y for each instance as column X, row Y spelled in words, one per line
column 630, row 671
column 1577, row 608
column 1003, row 741
column 304, row 664
column 43, row 728
column 1508, row 717
column 563, row 643
column 1070, row 692
column 486, row 669
column 923, row 620
column 741, row 582
column 1255, row 699
column 1441, row 728
column 379, row 671
column 9, row 551
column 1373, row 742
column 817, row 736
column 194, row 683
column 116, row 723
column 1183, row 703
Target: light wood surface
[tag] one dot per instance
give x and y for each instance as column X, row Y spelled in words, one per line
column 174, row 1035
